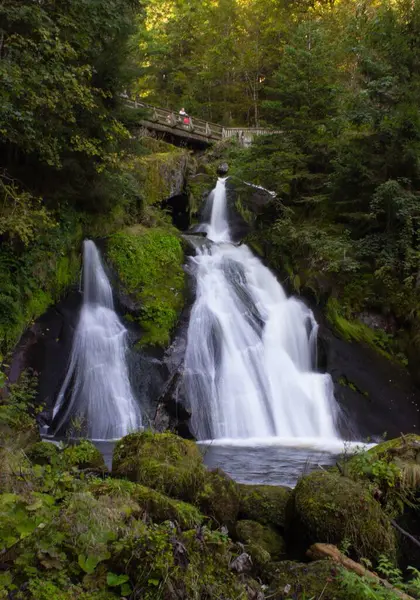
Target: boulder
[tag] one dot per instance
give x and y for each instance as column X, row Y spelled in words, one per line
column 394, row 469
column 162, row 461
column 219, row 498
column 301, row 581
column 253, row 534
column 43, row 453
column 83, row 455
column 152, row 505
column 265, row 504
column 223, row 169
column 326, row 507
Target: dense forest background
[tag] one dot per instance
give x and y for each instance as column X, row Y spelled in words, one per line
column 340, row 79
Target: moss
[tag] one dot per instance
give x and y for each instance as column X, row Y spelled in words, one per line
column 354, row 330
column 83, row 455
column 149, row 266
column 392, row 470
column 43, row 453
column 91, row 523
column 161, row 174
column 326, row 507
column 152, row 504
column 251, row 532
column 219, row 498
column 198, row 188
column 265, row 504
column 314, row 580
column 406, row 447
column 164, row 462
column 162, row 563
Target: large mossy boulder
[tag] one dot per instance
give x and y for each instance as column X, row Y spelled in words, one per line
column 254, row 534
column 219, row 498
column 161, row 461
column 327, row 507
column 265, row 504
column 302, row 581
column 152, row 505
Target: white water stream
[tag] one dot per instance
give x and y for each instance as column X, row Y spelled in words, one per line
column 97, row 389
column 250, row 357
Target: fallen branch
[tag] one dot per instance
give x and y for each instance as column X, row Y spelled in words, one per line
column 405, row 533
column 320, row 551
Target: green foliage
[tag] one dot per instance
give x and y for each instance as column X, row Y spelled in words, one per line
column 17, row 407
column 149, row 265
column 356, row 587
column 33, row 280
column 390, row 468
column 83, row 455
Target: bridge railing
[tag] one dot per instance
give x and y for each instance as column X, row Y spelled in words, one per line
column 165, row 119
column 170, row 119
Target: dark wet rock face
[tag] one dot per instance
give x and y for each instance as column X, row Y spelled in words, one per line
column 247, row 204
column 376, row 396
column 45, row 347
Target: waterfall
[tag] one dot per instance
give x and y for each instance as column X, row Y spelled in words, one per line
column 96, row 388
column 251, row 351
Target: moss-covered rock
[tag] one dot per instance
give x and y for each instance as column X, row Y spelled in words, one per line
column 152, row 505
column 253, row 533
column 148, row 263
column 163, row 563
column 326, row 507
column 162, row 461
column 301, row 581
column 265, row 504
column 161, row 174
column 43, row 453
column 198, row 188
column 219, row 498
column 90, row 523
column 83, row 455
column 405, row 448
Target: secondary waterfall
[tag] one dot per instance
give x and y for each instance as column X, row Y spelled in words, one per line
column 250, row 357
column 97, row 389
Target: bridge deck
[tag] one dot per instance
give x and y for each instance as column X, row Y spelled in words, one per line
column 167, row 121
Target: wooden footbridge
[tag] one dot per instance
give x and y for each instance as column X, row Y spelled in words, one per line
column 169, row 122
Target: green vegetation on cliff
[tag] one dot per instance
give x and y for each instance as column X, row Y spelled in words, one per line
column 148, row 263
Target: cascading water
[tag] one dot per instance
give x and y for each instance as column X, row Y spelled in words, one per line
column 249, row 365
column 97, row 388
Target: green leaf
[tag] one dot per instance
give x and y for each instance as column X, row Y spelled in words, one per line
column 114, row 580
column 126, row 589
column 25, row 528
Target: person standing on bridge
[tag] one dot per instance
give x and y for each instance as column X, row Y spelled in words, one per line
column 184, row 116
